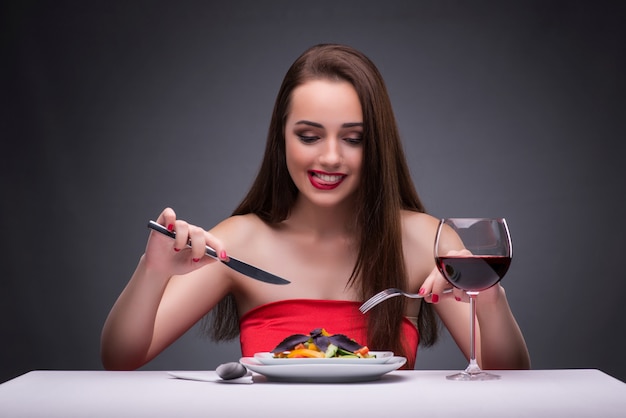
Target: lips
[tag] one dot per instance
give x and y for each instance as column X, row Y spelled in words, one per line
column 325, row 181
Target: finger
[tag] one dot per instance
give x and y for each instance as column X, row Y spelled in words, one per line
column 217, row 245
column 427, row 286
column 167, row 218
column 181, row 228
column 436, row 287
column 198, row 243
column 459, row 295
column 431, row 287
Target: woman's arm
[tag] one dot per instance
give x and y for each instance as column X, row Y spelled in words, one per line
column 170, row 290
column 499, row 340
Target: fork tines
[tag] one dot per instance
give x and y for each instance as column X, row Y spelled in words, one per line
column 378, row 298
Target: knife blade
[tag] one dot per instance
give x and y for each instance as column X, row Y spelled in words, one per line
column 235, row 264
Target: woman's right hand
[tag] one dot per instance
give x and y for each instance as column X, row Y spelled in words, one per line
column 167, row 257
column 154, row 309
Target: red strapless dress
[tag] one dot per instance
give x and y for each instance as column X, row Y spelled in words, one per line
column 264, row 327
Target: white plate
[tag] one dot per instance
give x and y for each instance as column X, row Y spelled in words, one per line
column 323, row 373
column 381, row 357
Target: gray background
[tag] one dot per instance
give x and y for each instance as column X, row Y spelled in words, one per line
column 112, row 110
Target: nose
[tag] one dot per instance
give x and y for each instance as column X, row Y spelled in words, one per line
column 331, row 154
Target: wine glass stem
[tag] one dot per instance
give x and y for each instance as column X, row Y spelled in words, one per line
column 473, row 364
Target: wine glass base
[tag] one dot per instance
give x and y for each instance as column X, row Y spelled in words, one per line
column 465, row 376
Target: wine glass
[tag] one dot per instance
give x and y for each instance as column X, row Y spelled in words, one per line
column 489, row 244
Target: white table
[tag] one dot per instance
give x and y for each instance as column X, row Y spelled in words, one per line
column 535, row 393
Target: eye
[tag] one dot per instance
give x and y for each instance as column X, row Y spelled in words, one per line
column 353, row 137
column 354, row 140
column 308, row 139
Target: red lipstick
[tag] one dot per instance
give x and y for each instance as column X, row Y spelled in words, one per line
column 325, row 181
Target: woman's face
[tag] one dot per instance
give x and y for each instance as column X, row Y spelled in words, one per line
column 323, row 141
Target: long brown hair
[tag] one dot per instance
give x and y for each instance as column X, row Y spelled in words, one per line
column 386, row 188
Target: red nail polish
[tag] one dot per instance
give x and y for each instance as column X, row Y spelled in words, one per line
column 435, row 298
column 458, row 299
column 177, row 249
column 170, row 227
column 195, row 260
column 421, row 291
column 223, row 255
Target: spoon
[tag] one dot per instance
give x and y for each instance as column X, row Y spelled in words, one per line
column 231, row 370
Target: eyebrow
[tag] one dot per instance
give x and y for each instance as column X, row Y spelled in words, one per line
column 319, row 125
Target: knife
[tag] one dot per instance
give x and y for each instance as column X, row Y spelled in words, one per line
column 235, row 264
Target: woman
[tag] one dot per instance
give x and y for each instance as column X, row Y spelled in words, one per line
column 333, row 209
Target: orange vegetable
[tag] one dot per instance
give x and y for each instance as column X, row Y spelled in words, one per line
column 305, row 353
column 363, row 351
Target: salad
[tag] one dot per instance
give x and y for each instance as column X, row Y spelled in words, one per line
column 320, row 344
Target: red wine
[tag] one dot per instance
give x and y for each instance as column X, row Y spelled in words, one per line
column 473, row 273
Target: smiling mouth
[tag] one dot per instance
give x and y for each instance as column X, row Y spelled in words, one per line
column 325, row 181
column 328, row 178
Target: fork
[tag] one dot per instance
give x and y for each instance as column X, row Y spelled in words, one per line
column 389, row 293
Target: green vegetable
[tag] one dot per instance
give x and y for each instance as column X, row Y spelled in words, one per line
column 331, row 351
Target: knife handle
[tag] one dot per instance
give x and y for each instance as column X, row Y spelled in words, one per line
column 163, row 230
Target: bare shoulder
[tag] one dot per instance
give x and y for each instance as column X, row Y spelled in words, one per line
column 418, row 238
column 418, row 227
column 240, row 229
column 238, row 222
column 249, row 238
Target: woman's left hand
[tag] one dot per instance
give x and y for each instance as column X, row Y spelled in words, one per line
column 435, row 285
